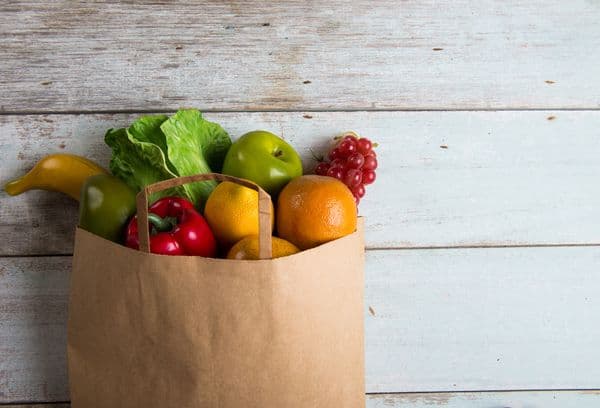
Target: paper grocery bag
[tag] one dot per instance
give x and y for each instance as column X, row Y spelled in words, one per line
column 149, row 330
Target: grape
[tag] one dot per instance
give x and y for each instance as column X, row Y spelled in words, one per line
column 336, row 172
column 371, row 153
column 352, row 178
column 348, row 167
column 334, row 154
column 370, row 163
column 359, row 191
column 368, row 177
column 364, row 145
column 339, row 162
column 322, row 168
column 346, row 148
column 355, row 160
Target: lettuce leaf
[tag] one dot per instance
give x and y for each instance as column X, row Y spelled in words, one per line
column 195, row 146
column 157, row 147
column 147, row 129
column 139, row 163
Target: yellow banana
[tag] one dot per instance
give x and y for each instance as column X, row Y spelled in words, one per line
column 57, row 172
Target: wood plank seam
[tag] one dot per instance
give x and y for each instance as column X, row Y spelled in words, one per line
column 368, row 248
column 24, row 112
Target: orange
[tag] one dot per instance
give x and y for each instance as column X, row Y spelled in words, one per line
column 312, row 210
column 232, row 212
column 247, row 248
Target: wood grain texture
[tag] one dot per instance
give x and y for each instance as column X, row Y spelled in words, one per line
column 50, row 405
column 445, row 178
column 435, row 320
column 518, row 399
column 482, row 319
column 297, row 55
column 33, row 317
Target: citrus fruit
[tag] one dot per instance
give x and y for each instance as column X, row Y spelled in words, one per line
column 247, row 248
column 232, row 212
column 312, row 210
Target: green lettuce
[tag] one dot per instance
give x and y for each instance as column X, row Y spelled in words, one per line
column 157, row 147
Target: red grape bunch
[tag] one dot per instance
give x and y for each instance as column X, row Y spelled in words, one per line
column 353, row 161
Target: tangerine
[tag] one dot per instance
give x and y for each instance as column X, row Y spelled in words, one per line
column 312, row 210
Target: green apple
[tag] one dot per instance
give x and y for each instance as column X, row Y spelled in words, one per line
column 263, row 158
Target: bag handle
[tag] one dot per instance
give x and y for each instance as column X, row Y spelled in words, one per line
column 264, row 208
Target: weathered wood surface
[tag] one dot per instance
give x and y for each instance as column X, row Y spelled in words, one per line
column 515, row 399
column 297, row 55
column 482, row 319
column 436, row 319
column 58, row 405
column 507, row 399
column 33, row 315
column 446, row 178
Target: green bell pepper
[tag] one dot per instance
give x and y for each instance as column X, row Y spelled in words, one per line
column 105, row 206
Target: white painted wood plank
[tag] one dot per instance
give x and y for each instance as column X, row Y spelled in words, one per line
column 435, row 320
column 519, row 399
column 33, row 335
column 296, row 55
column 483, row 319
column 515, row 399
column 504, row 178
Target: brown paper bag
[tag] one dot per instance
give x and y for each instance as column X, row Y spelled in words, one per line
column 149, row 330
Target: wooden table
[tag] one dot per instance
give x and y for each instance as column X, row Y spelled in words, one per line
column 483, row 263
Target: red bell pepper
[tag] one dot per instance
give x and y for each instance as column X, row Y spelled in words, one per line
column 176, row 228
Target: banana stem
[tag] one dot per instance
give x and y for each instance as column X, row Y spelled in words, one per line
column 17, row 186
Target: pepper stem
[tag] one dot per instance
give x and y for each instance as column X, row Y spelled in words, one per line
column 162, row 224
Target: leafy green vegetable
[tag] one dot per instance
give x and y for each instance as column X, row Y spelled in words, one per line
column 195, row 149
column 137, row 163
column 157, row 147
column 147, row 129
